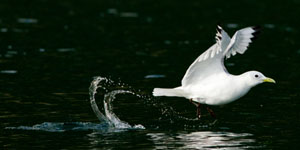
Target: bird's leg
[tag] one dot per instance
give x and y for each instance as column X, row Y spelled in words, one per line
column 199, row 111
column 211, row 112
column 198, row 105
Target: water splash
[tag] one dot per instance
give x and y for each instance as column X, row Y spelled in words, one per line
column 109, row 121
column 108, row 99
column 110, row 118
column 92, row 92
column 167, row 113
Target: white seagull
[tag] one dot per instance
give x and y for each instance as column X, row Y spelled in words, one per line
column 208, row 82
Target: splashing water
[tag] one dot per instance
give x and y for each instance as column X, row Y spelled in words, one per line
column 93, row 91
column 167, row 113
column 109, row 121
column 110, row 118
column 115, row 121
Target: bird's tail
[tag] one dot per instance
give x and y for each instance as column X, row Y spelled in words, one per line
column 168, row 92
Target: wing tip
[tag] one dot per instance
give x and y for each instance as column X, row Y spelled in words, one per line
column 219, row 28
column 257, row 31
column 256, row 28
column 218, row 37
column 219, row 32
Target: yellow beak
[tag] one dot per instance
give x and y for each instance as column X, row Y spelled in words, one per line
column 269, row 80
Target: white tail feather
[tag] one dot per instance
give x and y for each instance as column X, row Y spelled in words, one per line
column 168, row 92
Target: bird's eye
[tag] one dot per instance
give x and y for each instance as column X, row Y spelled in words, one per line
column 256, row 76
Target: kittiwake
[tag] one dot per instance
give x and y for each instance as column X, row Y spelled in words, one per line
column 207, row 81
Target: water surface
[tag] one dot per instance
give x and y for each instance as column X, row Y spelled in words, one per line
column 50, row 53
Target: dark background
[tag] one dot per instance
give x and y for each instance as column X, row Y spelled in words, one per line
column 50, row 50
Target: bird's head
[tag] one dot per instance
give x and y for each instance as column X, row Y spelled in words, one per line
column 254, row 78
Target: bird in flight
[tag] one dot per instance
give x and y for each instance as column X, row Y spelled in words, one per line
column 208, row 82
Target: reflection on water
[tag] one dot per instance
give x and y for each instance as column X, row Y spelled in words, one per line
column 62, row 127
column 155, row 76
column 203, row 140
column 8, row 71
column 129, row 14
column 27, row 20
column 114, row 11
column 3, row 29
column 65, row 49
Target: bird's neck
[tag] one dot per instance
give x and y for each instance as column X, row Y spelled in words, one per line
column 240, row 85
column 244, row 81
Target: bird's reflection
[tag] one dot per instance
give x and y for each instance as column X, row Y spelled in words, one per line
column 203, row 140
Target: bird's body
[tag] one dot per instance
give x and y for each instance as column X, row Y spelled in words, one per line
column 211, row 94
column 208, row 82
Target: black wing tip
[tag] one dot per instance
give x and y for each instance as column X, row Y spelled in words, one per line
column 257, row 30
column 219, row 38
column 255, row 35
column 254, row 38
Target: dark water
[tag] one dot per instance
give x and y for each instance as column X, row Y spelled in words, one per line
column 51, row 50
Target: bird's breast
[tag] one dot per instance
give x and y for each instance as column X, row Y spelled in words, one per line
column 220, row 92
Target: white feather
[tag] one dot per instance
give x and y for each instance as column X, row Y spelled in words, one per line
column 207, row 80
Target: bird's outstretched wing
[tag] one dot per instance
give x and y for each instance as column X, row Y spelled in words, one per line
column 240, row 41
column 211, row 61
